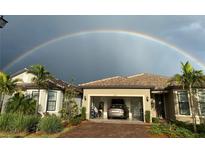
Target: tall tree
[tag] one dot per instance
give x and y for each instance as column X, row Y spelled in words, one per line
column 7, row 86
column 40, row 79
column 189, row 79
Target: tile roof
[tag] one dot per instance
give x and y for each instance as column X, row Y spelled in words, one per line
column 143, row 80
column 53, row 82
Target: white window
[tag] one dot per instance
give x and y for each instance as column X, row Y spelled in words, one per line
column 35, row 95
column 183, row 103
column 201, row 95
column 51, row 104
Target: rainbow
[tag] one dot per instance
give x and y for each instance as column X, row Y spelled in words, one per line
column 122, row 32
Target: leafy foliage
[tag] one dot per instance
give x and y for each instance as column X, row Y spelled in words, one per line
column 5, row 122
column 10, row 122
column 7, row 86
column 70, row 107
column 155, row 120
column 40, row 79
column 189, row 78
column 50, row 124
column 22, row 123
column 178, row 129
column 41, row 75
column 20, row 103
column 147, row 116
column 171, row 130
column 83, row 113
column 75, row 120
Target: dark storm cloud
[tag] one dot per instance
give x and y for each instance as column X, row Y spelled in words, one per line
column 92, row 57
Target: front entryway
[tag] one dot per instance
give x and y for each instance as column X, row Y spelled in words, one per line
column 159, row 105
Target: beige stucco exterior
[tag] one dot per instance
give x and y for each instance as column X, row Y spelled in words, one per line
column 173, row 109
column 43, row 100
column 144, row 93
column 27, row 78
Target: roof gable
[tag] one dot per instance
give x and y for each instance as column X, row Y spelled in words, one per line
column 26, row 81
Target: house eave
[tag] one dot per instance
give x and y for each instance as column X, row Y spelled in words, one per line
column 117, row 87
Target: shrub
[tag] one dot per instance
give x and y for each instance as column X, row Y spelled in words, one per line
column 18, row 122
column 171, row 130
column 201, row 128
column 20, row 103
column 76, row 120
column 155, row 120
column 83, row 113
column 147, row 116
column 24, row 123
column 5, row 122
column 50, row 124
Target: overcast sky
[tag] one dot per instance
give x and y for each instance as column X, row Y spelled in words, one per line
column 97, row 55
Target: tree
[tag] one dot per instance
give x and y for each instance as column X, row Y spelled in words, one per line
column 70, row 107
column 40, row 79
column 20, row 103
column 7, row 86
column 189, row 79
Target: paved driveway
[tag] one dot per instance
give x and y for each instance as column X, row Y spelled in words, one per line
column 90, row 129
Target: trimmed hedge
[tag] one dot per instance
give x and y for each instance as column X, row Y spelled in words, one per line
column 83, row 113
column 147, row 116
column 50, row 124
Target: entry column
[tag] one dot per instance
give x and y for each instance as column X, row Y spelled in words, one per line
column 105, row 108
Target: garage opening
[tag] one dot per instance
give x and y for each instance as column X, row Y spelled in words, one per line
column 126, row 108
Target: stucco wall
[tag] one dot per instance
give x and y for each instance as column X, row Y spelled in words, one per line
column 173, row 109
column 44, row 98
column 87, row 93
column 25, row 77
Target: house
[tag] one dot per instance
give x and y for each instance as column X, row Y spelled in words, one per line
column 51, row 98
column 140, row 93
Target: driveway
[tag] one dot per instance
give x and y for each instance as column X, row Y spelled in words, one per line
column 90, row 129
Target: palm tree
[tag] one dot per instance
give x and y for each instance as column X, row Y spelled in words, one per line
column 7, row 86
column 190, row 78
column 20, row 103
column 40, row 79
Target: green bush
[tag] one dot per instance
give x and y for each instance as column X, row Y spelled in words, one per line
column 50, row 124
column 5, row 122
column 18, row 122
column 19, row 103
column 147, row 116
column 201, row 128
column 75, row 121
column 24, row 123
column 83, row 113
column 171, row 130
column 155, row 120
